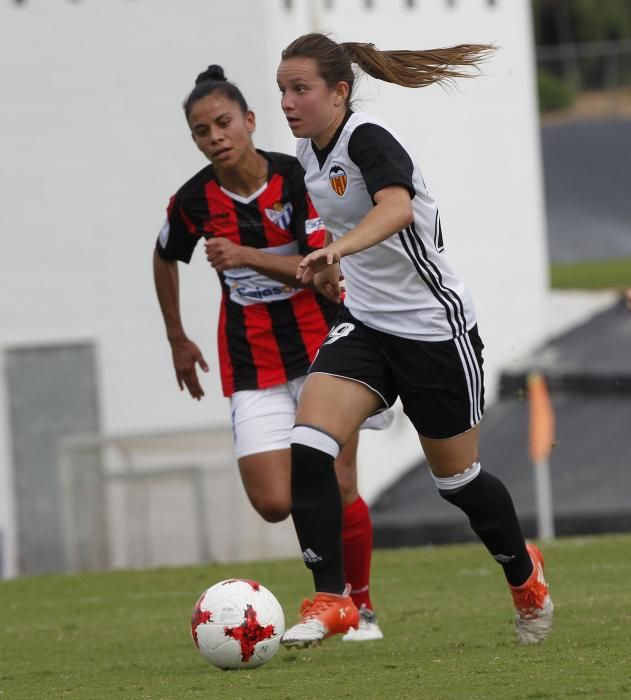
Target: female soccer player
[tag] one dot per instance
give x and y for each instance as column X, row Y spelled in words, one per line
column 407, row 327
column 253, row 210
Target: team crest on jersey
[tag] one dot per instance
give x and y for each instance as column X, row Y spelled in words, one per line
column 338, row 179
column 280, row 214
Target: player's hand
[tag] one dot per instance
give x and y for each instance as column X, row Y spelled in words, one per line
column 186, row 355
column 315, row 262
column 223, row 254
column 328, row 283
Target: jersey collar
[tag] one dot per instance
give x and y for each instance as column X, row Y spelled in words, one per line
column 323, row 154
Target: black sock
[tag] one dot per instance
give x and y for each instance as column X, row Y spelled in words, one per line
column 492, row 516
column 316, row 508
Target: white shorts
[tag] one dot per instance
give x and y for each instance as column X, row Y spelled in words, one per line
column 262, row 419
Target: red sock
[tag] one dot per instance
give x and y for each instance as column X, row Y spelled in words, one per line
column 357, row 545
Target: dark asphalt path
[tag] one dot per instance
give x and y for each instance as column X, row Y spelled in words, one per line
column 589, row 376
column 587, row 168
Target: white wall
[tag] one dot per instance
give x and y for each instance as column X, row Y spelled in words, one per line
column 93, row 142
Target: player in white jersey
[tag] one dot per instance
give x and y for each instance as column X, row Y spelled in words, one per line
column 423, row 300
column 407, row 328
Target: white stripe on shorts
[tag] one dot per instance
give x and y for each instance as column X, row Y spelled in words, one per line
column 473, row 377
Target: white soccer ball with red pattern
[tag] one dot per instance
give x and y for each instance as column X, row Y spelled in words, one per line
column 237, row 623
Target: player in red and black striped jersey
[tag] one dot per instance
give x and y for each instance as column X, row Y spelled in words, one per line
column 269, row 330
column 257, row 221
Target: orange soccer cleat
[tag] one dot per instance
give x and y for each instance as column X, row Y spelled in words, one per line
column 533, row 606
column 327, row 614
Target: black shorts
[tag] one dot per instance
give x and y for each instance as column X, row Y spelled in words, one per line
column 441, row 384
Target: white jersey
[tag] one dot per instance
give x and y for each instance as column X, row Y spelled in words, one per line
column 403, row 285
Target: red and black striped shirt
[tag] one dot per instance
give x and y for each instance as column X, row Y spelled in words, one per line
column 268, row 332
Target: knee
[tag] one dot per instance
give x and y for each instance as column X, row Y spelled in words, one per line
column 271, row 515
column 450, row 488
column 270, row 509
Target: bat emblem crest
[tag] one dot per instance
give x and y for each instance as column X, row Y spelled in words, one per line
column 337, row 178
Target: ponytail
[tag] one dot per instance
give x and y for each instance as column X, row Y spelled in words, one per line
column 418, row 68
column 406, row 68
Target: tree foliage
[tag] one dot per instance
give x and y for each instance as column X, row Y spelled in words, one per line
column 566, row 21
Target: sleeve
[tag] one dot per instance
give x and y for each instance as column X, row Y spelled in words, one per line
column 178, row 236
column 308, row 227
column 382, row 160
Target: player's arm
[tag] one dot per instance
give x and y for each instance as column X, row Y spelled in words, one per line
column 186, row 354
column 175, row 243
column 392, row 213
column 312, row 235
column 387, row 170
column 328, row 280
column 223, row 254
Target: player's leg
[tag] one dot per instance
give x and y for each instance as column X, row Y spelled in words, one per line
column 347, row 382
column 329, row 413
column 488, row 505
column 356, row 544
column 484, row 498
column 265, row 477
column 356, row 525
column 446, row 417
column 262, row 422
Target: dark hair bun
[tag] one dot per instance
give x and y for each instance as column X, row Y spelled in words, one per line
column 213, row 72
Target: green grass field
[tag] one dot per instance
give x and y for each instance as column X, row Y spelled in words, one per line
column 446, row 614
column 592, row 274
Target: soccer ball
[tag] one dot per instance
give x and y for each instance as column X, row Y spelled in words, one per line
column 237, row 624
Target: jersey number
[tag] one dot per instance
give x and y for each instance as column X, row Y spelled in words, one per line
column 438, row 235
column 340, row 331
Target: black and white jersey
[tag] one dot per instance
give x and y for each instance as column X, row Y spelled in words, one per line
column 404, row 284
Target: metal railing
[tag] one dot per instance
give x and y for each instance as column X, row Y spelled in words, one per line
column 589, row 65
